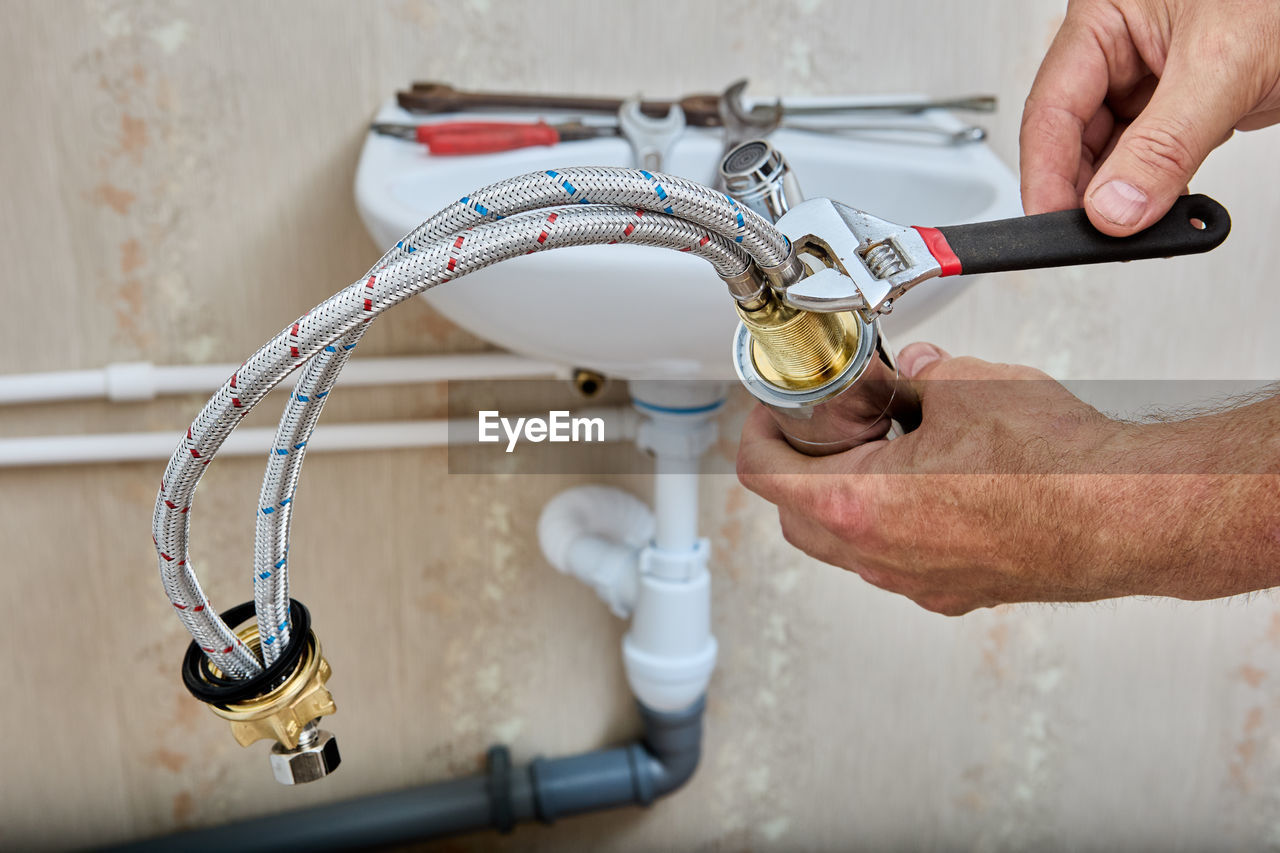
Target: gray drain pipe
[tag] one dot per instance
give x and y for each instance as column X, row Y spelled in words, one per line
column 546, row 789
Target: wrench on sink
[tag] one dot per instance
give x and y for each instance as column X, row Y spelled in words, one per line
column 651, row 138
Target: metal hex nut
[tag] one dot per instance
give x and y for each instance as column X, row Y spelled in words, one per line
column 316, row 760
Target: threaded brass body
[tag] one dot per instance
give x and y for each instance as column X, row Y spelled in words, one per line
column 799, row 349
column 282, row 713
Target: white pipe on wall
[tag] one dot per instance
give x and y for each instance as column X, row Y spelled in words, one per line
column 246, row 441
column 619, row 422
column 135, row 381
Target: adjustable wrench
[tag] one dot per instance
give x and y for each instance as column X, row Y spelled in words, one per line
column 868, row 263
column 859, row 266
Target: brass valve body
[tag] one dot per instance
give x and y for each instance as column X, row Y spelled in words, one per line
column 797, row 349
column 281, row 714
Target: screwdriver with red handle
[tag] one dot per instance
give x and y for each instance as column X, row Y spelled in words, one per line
column 488, row 137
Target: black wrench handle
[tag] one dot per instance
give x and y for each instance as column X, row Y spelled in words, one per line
column 1195, row 224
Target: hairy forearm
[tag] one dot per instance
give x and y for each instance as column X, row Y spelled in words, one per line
column 1196, row 513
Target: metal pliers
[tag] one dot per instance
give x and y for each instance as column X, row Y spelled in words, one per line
column 490, row 137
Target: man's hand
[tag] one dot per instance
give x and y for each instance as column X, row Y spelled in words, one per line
column 1134, row 94
column 1012, row 489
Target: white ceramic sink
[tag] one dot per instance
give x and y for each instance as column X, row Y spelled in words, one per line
column 638, row 312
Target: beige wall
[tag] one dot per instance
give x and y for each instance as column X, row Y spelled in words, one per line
column 177, row 182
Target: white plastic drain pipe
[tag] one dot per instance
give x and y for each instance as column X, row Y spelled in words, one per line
column 142, row 380
column 595, row 534
column 650, row 566
column 669, row 653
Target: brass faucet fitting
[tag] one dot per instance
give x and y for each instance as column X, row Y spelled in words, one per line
column 284, row 712
column 282, row 703
column 797, row 349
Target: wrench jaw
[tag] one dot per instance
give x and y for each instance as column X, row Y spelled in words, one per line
column 857, row 262
column 651, row 138
column 740, row 124
column 813, row 353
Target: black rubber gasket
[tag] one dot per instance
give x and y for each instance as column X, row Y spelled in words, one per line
column 213, row 689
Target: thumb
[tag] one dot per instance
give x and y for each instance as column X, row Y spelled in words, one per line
column 918, row 359
column 915, row 362
column 1192, row 111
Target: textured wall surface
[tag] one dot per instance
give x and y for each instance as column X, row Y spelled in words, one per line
column 178, row 183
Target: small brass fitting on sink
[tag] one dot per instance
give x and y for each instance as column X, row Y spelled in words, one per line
column 282, row 713
column 797, row 349
column 588, row 383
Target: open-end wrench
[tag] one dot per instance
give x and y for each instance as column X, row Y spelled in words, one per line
column 905, row 132
column 699, row 110
column 742, row 124
column 969, row 103
column 651, row 138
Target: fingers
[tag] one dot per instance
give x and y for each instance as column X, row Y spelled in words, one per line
column 808, row 535
column 1098, row 134
column 804, row 533
column 1128, row 104
column 770, row 467
column 1192, row 111
column 1068, row 92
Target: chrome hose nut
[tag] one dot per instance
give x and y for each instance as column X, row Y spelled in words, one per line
column 315, row 757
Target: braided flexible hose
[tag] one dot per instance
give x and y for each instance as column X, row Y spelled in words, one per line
column 430, row 264
column 652, row 191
